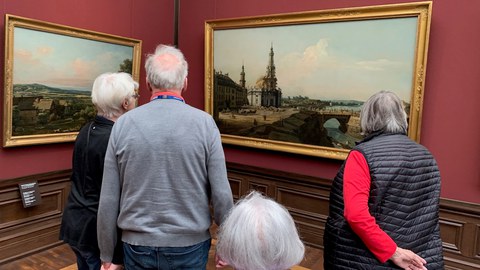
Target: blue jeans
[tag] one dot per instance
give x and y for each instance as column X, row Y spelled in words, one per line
column 166, row 258
column 87, row 259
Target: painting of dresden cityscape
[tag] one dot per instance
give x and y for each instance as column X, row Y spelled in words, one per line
column 51, row 81
column 305, row 83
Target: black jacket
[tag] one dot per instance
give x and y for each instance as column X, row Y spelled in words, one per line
column 404, row 200
column 79, row 221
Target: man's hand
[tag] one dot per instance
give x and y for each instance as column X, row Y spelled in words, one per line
column 219, row 264
column 111, row 266
column 408, row 260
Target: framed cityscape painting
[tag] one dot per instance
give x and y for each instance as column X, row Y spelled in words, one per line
column 49, row 72
column 296, row 82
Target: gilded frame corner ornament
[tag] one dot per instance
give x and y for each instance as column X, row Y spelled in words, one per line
column 229, row 99
column 44, row 102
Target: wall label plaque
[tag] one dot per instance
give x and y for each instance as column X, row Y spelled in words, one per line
column 30, row 194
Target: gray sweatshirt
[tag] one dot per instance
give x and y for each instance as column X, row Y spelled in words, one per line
column 163, row 167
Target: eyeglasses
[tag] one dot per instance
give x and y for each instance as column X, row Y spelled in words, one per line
column 135, row 96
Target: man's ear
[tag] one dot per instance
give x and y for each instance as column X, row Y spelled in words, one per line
column 149, row 87
column 185, row 85
column 125, row 104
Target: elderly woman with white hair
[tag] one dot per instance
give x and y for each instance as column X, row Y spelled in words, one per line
column 384, row 201
column 113, row 94
column 258, row 234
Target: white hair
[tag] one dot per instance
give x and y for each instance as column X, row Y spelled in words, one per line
column 259, row 234
column 383, row 112
column 110, row 90
column 166, row 68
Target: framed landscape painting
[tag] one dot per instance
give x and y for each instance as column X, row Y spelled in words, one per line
column 296, row 82
column 49, row 73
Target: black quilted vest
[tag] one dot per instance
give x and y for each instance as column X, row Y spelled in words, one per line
column 404, row 199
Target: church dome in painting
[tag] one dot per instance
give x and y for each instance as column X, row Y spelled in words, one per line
column 260, row 83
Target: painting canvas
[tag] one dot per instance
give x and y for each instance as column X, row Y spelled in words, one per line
column 296, row 82
column 49, row 73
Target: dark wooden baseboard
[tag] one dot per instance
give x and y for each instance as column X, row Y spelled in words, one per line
column 25, row 231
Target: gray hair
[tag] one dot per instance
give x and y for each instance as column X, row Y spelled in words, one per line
column 259, row 234
column 383, row 111
column 110, row 90
column 166, row 68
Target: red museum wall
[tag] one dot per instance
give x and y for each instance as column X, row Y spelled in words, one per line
column 450, row 126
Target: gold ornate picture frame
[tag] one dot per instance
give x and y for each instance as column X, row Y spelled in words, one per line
column 295, row 82
column 49, row 72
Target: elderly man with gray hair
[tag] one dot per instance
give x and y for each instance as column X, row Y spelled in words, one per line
column 259, row 234
column 165, row 176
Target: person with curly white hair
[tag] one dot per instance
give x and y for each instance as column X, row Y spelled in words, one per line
column 258, row 234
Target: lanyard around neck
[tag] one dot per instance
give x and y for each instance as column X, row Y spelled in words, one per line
column 167, row 96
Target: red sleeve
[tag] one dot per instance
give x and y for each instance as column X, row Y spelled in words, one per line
column 356, row 190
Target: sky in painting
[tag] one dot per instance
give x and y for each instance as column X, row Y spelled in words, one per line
column 63, row 61
column 347, row 60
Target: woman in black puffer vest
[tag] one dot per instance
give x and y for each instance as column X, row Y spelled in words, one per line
column 384, row 202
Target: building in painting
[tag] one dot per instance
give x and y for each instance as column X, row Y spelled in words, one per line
column 266, row 92
column 229, row 95
column 232, row 96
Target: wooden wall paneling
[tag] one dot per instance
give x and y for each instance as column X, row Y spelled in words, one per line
column 265, row 187
column 236, row 186
column 309, row 218
column 28, row 230
column 476, row 249
column 305, row 197
column 459, row 227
